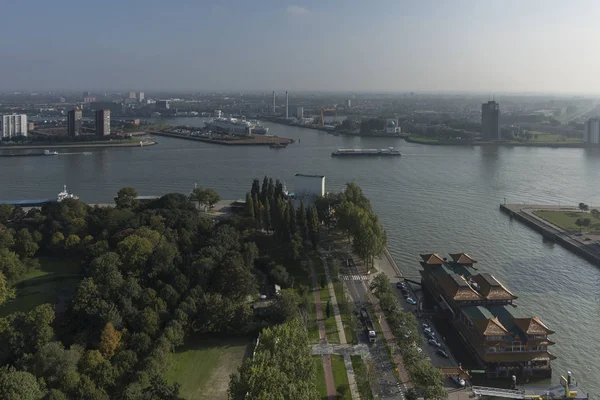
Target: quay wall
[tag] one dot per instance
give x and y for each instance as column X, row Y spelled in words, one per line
column 264, row 141
column 551, row 233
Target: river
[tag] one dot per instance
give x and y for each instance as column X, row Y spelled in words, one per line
column 432, row 199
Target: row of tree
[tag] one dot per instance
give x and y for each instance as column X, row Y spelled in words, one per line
column 427, row 378
column 274, row 211
column 356, row 218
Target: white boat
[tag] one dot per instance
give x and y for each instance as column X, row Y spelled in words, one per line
column 65, row 195
column 50, row 153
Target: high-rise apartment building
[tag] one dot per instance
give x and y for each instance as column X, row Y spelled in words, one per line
column 490, row 120
column 74, row 120
column 591, row 132
column 132, row 95
column 141, row 96
column 14, row 125
column 102, row 122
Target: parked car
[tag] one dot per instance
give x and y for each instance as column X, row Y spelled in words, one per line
column 405, row 294
column 428, row 331
column 400, row 285
column 434, row 343
column 442, row 353
column 430, row 335
column 425, row 326
column 410, row 300
column 458, row 381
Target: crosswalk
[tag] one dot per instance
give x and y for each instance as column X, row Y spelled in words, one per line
column 354, row 277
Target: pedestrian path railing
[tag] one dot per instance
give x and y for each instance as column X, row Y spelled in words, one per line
column 496, row 392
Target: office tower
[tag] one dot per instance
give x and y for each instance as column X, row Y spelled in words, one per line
column 102, row 122
column 490, row 120
column 74, row 120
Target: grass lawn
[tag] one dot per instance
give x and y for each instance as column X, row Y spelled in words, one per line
column 566, row 220
column 543, row 137
column 320, row 377
column 360, row 375
column 345, row 313
column 340, row 376
column 202, row 367
column 54, row 280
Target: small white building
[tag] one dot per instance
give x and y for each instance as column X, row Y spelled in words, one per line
column 14, row 125
column 308, row 188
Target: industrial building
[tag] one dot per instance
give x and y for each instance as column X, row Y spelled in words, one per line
column 74, row 121
column 391, row 126
column 490, row 121
column 102, row 122
column 14, row 125
column 591, row 132
column 296, row 112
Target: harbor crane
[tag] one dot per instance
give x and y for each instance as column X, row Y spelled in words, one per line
column 324, row 110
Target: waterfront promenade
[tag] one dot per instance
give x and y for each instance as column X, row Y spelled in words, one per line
column 525, row 213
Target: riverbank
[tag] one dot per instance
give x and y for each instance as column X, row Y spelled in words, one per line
column 335, row 132
column 257, row 140
column 469, row 143
column 82, row 145
column 587, row 249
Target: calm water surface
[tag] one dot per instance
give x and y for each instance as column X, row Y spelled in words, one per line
column 442, row 199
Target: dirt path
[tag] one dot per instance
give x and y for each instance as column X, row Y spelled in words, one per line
column 329, row 382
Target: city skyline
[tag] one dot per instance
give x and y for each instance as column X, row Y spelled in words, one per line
column 387, row 47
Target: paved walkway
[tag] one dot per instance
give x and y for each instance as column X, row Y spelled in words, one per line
column 342, row 349
column 329, row 381
column 342, row 334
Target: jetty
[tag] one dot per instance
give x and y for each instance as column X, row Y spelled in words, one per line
column 573, row 241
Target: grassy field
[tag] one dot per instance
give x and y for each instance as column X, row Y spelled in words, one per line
column 340, row 376
column 53, row 281
column 202, row 367
column 543, row 137
column 362, row 381
column 320, row 377
column 566, row 220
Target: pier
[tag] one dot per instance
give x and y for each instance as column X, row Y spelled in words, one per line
column 525, row 213
column 255, row 140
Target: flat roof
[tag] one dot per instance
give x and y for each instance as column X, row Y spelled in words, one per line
column 311, row 176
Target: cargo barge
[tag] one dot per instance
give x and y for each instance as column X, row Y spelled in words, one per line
column 65, row 194
column 390, row 151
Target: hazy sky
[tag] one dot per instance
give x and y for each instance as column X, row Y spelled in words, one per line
column 346, row 45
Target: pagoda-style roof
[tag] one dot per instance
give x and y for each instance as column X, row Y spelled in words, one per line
column 432, row 258
column 490, row 327
column 463, row 258
column 533, row 326
column 455, row 287
column 491, row 288
column 523, row 356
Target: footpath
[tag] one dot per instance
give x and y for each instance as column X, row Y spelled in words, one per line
column 328, row 371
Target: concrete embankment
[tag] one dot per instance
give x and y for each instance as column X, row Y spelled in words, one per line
column 75, row 146
column 523, row 213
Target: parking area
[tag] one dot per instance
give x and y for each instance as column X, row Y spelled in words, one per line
column 435, row 346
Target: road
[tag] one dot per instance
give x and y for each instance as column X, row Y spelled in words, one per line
column 388, row 387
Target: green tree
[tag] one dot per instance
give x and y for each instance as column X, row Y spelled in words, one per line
column 58, row 366
column 6, row 211
column 286, row 305
column 282, row 367
column 595, row 213
column 6, row 292
column 255, row 188
column 249, row 206
column 127, row 198
column 302, row 221
column 291, row 214
column 72, row 241
column 267, row 223
column 25, row 246
column 134, row 250
column 313, row 225
column 7, row 236
column 264, row 189
column 10, row 265
column 18, row 385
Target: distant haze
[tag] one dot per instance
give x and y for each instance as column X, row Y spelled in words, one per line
column 386, row 46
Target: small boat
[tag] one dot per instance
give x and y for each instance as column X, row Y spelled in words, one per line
column 50, row 153
column 277, row 146
column 65, row 194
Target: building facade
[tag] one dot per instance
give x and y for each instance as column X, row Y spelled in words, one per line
column 490, row 121
column 74, row 121
column 162, row 105
column 102, row 122
column 308, row 188
column 296, row 112
column 14, row 125
column 591, row 132
column 141, row 96
column 502, row 340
